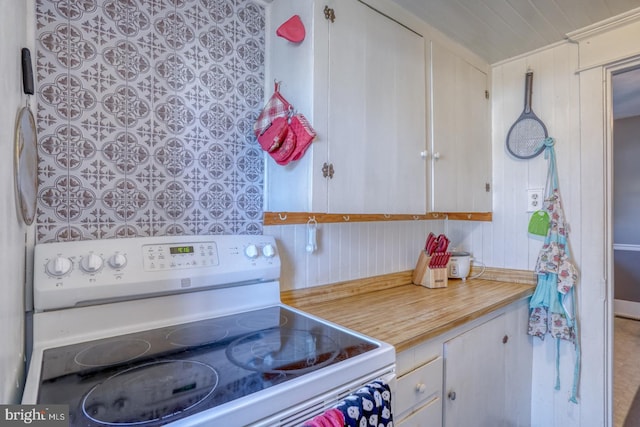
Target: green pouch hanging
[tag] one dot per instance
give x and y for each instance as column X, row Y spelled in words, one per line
column 539, row 223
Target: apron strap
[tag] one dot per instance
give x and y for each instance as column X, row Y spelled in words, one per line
column 552, row 175
column 576, row 367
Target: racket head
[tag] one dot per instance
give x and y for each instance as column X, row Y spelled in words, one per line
column 525, row 139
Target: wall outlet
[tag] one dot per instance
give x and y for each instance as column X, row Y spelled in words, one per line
column 534, row 199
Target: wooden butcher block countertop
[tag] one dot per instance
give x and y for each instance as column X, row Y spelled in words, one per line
column 389, row 308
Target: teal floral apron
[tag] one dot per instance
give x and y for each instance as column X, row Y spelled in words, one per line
column 552, row 306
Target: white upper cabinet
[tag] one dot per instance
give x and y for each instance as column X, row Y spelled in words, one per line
column 360, row 80
column 461, row 144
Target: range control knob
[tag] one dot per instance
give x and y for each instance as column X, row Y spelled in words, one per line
column 59, row 266
column 251, row 252
column 91, row 263
column 269, row 251
column 118, row 261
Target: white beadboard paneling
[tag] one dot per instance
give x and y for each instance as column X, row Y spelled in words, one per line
column 467, row 236
column 555, row 102
column 349, row 251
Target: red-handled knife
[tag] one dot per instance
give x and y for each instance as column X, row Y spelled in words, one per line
column 442, row 243
column 447, row 256
column 430, row 238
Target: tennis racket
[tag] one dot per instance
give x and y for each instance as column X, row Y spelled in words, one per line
column 525, row 139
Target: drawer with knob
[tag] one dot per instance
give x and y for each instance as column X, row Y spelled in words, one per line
column 418, row 387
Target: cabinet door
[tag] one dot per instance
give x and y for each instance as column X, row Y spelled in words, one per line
column 377, row 119
column 474, row 392
column 461, row 149
column 518, row 366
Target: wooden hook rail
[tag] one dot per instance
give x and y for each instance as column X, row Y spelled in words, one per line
column 285, row 218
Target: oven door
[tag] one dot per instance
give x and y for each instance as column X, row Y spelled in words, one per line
column 291, row 407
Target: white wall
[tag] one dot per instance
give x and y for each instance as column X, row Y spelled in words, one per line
column 13, row 36
column 349, row 251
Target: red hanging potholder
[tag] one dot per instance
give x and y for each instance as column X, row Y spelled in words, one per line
column 282, row 155
column 276, row 107
column 304, row 135
column 273, row 137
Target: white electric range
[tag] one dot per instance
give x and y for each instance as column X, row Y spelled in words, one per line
column 187, row 331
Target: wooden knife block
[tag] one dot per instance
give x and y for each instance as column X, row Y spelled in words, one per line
column 430, row 278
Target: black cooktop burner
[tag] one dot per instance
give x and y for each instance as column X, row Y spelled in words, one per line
column 111, row 352
column 277, row 351
column 131, row 402
column 257, row 320
column 155, row 377
column 206, row 332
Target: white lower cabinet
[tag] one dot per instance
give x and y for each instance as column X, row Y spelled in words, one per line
column 478, row 374
column 475, row 376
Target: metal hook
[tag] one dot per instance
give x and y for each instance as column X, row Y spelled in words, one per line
column 282, row 218
column 345, row 217
column 312, row 244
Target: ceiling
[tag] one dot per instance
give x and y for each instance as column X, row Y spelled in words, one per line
column 500, row 29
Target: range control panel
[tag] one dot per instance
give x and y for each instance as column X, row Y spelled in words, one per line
column 88, row 272
column 179, row 255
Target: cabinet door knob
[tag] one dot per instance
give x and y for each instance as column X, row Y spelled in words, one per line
column 436, row 155
column 505, row 339
column 452, row 395
column 421, row 387
column 424, row 154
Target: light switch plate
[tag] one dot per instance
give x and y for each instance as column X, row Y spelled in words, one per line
column 534, row 199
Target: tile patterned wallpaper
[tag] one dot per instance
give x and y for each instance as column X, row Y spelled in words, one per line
column 145, row 114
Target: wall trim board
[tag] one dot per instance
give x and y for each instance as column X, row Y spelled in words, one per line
column 626, row 247
column 605, row 25
column 628, row 309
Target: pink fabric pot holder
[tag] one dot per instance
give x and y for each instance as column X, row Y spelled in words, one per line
column 304, row 135
column 276, row 107
column 285, row 139
column 283, row 155
column 274, row 135
column 292, row 30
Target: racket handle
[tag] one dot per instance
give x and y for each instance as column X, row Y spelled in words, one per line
column 27, row 72
column 528, row 91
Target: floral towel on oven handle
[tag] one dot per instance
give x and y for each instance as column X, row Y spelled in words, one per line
column 370, row 405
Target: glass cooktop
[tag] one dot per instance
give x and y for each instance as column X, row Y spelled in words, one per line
column 158, row 376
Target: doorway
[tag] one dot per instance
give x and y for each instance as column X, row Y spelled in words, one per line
column 625, row 199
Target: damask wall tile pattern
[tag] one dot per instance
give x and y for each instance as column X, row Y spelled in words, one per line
column 145, row 115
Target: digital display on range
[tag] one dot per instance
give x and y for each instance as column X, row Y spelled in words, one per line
column 177, row 250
